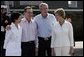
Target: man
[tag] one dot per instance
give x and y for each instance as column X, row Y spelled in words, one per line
column 28, row 33
column 44, row 23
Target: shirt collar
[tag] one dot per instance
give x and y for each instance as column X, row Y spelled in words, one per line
column 13, row 25
column 26, row 20
column 46, row 16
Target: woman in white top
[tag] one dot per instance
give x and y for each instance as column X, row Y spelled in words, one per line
column 12, row 42
column 62, row 35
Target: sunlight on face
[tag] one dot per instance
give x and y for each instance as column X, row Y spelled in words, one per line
column 44, row 10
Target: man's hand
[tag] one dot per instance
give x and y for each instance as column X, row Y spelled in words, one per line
column 6, row 21
column 8, row 27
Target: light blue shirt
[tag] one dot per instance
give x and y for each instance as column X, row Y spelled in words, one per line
column 44, row 25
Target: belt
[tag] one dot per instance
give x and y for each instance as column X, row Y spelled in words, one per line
column 29, row 42
column 45, row 38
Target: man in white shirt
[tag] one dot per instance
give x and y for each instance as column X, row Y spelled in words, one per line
column 28, row 33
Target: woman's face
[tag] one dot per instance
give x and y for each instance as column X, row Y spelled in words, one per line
column 17, row 21
column 57, row 16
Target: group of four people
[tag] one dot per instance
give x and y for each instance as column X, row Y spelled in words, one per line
column 50, row 34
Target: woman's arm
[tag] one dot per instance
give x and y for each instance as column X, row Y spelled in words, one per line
column 7, row 38
column 71, row 35
column 52, row 42
column 53, row 38
column 71, row 39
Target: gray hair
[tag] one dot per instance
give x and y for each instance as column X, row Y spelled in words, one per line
column 43, row 4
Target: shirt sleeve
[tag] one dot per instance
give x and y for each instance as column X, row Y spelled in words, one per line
column 7, row 38
column 71, row 35
column 36, row 36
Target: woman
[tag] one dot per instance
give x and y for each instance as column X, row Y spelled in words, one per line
column 12, row 42
column 62, row 35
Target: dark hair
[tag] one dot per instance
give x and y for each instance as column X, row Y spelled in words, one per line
column 28, row 7
column 14, row 16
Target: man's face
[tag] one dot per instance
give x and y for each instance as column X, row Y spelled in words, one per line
column 44, row 10
column 28, row 13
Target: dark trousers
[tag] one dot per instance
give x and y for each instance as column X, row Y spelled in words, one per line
column 2, row 43
column 28, row 48
column 44, row 46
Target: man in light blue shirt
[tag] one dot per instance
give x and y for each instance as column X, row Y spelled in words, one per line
column 44, row 25
column 44, row 22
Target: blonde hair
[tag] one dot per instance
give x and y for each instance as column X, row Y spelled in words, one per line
column 60, row 11
column 43, row 4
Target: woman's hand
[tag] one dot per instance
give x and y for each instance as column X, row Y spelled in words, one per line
column 71, row 52
column 52, row 52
